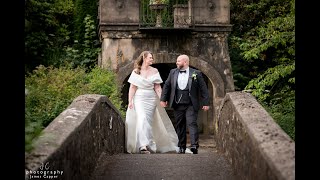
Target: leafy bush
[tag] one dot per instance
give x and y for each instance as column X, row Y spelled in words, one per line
column 51, row 90
column 47, row 30
column 102, row 81
column 282, row 110
column 263, row 53
column 85, row 53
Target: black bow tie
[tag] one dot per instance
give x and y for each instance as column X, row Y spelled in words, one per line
column 183, row 71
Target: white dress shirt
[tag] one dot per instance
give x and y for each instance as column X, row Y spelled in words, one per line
column 183, row 79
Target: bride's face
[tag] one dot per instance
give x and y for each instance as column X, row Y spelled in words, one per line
column 148, row 60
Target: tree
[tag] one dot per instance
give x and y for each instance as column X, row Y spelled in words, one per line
column 47, row 30
column 266, row 46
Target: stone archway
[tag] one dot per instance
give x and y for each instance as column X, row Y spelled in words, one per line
column 215, row 84
column 124, row 34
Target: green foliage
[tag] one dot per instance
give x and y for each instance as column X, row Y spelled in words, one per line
column 263, row 48
column 102, row 81
column 274, row 42
column 266, row 82
column 159, row 1
column 47, row 30
column 86, row 53
column 260, row 40
column 51, row 90
column 279, row 33
column 82, row 9
column 282, row 109
column 53, row 26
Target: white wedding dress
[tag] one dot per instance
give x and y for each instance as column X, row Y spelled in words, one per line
column 147, row 123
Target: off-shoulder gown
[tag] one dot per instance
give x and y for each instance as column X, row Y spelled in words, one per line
column 147, row 123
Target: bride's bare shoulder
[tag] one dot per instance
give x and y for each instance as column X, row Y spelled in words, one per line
column 154, row 70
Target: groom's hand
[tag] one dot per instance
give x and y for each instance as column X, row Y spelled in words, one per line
column 163, row 104
column 205, row 108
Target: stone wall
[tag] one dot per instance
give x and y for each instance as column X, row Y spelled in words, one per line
column 208, row 12
column 73, row 142
column 254, row 144
column 114, row 14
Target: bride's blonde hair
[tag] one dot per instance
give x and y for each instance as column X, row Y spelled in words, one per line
column 139, row 61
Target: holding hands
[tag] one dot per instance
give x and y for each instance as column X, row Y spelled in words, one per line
column 205, row 108
column 164, row 104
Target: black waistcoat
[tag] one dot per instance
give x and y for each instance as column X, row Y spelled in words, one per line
column 182, row 96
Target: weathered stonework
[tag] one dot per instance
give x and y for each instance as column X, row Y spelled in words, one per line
column 218, row 12
column 205, row 42
column 73, row 141
column 255, row 145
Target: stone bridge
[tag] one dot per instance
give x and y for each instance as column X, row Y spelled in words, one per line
column 87, row 141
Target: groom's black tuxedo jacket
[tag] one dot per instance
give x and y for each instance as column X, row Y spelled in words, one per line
column 196, row 85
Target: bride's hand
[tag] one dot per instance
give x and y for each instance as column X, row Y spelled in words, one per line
column 163, row 104
column 130, row 105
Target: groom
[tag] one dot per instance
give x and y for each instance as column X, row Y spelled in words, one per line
column 182, row 90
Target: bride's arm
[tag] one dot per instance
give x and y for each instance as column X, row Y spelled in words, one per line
column 157, row 89
column 132, row 91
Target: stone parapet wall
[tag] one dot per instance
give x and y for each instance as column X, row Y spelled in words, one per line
column 72, row 143
column 254, row 144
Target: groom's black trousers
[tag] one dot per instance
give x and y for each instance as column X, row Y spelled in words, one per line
column 186, row 116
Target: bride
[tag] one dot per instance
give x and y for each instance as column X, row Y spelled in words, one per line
column 148, row 126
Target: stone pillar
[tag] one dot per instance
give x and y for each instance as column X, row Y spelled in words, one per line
column 182, row 19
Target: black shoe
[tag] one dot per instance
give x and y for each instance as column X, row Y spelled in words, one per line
column 182, row 150
column 194, row 150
